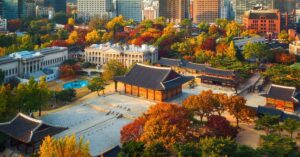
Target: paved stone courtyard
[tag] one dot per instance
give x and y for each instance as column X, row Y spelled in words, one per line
column 99, row 119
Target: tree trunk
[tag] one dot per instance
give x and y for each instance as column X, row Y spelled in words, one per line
column 40, row 111
column 237, row 122
column 98, row 92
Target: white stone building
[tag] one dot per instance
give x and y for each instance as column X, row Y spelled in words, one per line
column 294, row 48
column 38, row 63
column 128, row 54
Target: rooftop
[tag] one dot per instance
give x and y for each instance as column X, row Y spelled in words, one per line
column 27, row 129
column 124, row 48
column 284, row 93
column 256, row 14
column 157, row 78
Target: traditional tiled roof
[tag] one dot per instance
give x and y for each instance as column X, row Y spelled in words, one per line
column 284, row 93
column 157, row 78
column 215, row 71
column 181, row 63
column 218, row 79
column 112, row 152
column 26, row 129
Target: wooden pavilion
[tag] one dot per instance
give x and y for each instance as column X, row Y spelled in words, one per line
column 219, row 77
column 154, row 83
column 282, row 97
column 26, row 130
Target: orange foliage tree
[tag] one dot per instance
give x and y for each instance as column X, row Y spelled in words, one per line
column 167, row 124
column 237, row 107
column 281, row 57
column 133, row 131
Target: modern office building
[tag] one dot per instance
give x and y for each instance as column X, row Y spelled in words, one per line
column 174, row 10
column 206, row 10
column 128, row 54
column 38, row 63
column 90, row 8
column 285, row 5
column 58, row 5
column 1, row 8
column 13, row 9
column 266, row 22
column 130, row 9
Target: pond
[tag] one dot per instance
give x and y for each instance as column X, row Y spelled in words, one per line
column 76, row 84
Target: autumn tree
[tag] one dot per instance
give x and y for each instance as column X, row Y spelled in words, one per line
column 221, row 126
column 66, row 71
column 257, row 51
column 133, row 131
column 71, row 21
column 93, row 37
column 231, row 51
column 201, row 105
column 237, row 107
column 233, row 29
column 73, row 38
column 113, row 68
column 166, row 124
column 98, row 23
column 64, row 147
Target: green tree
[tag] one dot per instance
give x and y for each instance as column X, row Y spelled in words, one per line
column 132, row 149
column 256, row 51
column 291, row 126
column 156, row 150
column 187, row 150
column 267, row 123
column 283, row 36
column 217, row 147
column 113, row 68
column 276, row 146
column 203, row 26
column 245, row 151
column 66, row 95
column 97, row 84
column 43, row 94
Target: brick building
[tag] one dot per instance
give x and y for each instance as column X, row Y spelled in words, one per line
column 266, row 22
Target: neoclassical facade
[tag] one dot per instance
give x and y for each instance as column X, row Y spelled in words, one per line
column 128, row 54
column 23, row 64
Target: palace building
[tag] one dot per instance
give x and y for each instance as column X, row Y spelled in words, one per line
column 153, row 83
column 219, row 77
column 282, row 97
column 28, row 131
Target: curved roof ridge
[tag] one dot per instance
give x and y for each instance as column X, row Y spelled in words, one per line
column 287, row 87
column 219, row 69
column 29, row 118
column 153, row 67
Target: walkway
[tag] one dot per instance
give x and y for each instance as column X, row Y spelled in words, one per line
column 249, row 83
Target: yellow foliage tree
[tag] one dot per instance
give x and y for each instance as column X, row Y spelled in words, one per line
column 92, row 37
column 2, row 51
column 107, row 36
column 115, row 22
column 169, row 30
column 64, row 147
column 231, row 51
column 73, row 37
column 71, row 21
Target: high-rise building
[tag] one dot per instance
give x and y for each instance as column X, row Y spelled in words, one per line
column 1, row 8
column 90, row 8
column 240, row 6
column 13, row 9
column 57, row 5
column 130, row 9
column 285, row 5
column 174, row 10
column 150, row 9
column 263, row 21
column 206, row 10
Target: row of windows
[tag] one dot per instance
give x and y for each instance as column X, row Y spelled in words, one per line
column 54, row 61
column 12, row 71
